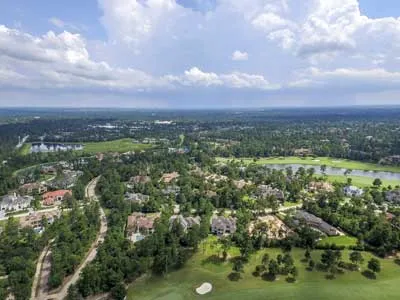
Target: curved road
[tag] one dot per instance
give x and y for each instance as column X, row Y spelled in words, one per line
column 43, row 293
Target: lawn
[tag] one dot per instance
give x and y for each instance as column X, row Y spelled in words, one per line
column 318, row 161
column 361, row 181
column 121, row 146
column 180, row 285
column 25, row 149
column 339, row 241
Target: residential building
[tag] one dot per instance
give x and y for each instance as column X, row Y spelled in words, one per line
column 275, row 228
column 169, row 177
column 393, row 196
column 15, row 202
column 140, row 223
column 66, row 181
column 171, row 189
column 32, row 188
column 320, row 186
column 35, row 219
column 50, row 198
column 136, row 197
column 186, row 223
column 223, row 225
column 268, row 191
column 317, row 223
column 239, row 184
column 140, row 179
column 353, row 191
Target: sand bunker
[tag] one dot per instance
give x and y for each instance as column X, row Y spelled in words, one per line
column 205, row 288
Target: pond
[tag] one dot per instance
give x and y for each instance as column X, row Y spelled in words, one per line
column 54, row 147
column 339, row 171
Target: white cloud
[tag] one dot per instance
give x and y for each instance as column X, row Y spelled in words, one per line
column 57, row 22
column 239, row 56
column 235, row 80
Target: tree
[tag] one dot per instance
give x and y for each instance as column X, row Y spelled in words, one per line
column 307, row 255
column 273, row 268
column 311, row 265
column 265, row 259
column 238, row 266
column 323, row 169
column 118, row 292
column 226, row 245
column 377, row 182
column 294, row 272
column 374, row 265
column 356, row 257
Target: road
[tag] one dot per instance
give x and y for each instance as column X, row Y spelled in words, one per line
column 25, row 214
column 22, row 142
column 62, row 293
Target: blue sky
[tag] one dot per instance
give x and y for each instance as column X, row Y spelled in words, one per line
column 199, row 53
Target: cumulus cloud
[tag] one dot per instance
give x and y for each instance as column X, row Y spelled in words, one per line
column 239, row 56
column 235, row 80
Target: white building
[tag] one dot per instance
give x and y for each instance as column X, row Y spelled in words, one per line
column 353, row 191
column 15, row 203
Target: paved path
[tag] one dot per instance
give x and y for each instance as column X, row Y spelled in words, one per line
column 61, row 294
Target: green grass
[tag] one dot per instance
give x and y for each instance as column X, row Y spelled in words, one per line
column 121, row 146
column 180, row 285
column 25, row 149
column 291, row 204
column 339, row 241
column 318, row 161
column 181, row 139
column 361, row 181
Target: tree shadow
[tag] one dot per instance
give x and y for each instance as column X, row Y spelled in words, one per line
column 268, row 277
column 234, row 276
column 369, row 274
column 330, row 276
column 290, row 280
column 213, row 259
column 397, row 261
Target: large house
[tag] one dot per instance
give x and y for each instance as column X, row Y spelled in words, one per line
column 35, row 220
column 393, row 196
column 140, row 225
column 50, row 198
column 66, row 181
column 317, row 223
column 186, row 223
column 32, row 188
column 268, row 191
column 320, row 186
column 140, row 179
column 15, row 202
column 171, row 189
column 222, row 225
column 353, row 191
column 136, row 197
column 169, row 177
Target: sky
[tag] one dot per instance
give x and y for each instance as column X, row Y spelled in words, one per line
column 199, row 53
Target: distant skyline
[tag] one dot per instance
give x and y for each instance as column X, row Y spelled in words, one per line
column 187, row 54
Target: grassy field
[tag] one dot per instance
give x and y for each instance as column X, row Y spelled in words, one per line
column 25, row 149
column 180, row 285
column 318, row 161
column 361, row 181
column 122, row 145
column 339, row 241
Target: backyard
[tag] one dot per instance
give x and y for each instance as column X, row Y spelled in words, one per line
column 180, row 285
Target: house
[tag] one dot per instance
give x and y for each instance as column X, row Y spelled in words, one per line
column 139, row 179
column 268, row 191
column 35, row 219
column 171, row 189
column 50, row 198
column 140, row 225
column 50, row 170
column 317, row 223
column 15, row 202
column 276, row 229
column 32, row 188
column 169, row 177
column 320, row 186
column 393, row 196
column 66, row 181
column 216, row 178
column 136, row 197
column 303, row 152
column 222, row 225
column 239, row 184
column 353, row 191
column 186, row 223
